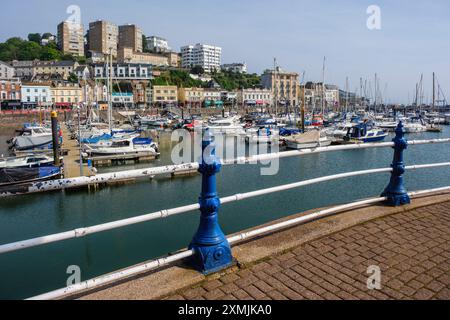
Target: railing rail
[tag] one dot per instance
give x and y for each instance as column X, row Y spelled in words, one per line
column 83, row 232
column 210, row 249
column 234, row 239
column 66, row 184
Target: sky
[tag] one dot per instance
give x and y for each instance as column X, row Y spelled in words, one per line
column 413, row 39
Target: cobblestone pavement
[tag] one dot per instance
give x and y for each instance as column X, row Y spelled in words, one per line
column 412, row 249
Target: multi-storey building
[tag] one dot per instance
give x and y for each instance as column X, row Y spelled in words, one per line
column 207, row 56
column 36, row 94
column 124, row 71
column 122, row 99
column 213, row 97
column 191, row 97
column 6, row 71
column 66, row 94
column 130, row 36
column 255, row 97
column 164, row 95
column 10, row 89
column 235, row 67
column 283, row 85
column 128, row 55
column 61, row 68
column 157, row 44
column 71, row 38
column 103, row 37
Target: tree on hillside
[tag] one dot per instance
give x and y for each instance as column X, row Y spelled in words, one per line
column 35, row 37
column 198, row 70
column 144, row 43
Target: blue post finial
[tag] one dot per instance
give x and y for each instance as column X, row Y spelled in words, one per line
column 396, row 192
column 212, row 250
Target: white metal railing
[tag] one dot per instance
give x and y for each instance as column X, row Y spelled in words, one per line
column 64, row 184
column 83, row 232
column 152, row 265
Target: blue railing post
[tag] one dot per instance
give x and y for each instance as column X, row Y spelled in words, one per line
column 396, row 192
column 211, row 247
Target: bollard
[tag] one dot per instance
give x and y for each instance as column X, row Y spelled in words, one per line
column 55, row 136
column 396, row 192
column 211, row 247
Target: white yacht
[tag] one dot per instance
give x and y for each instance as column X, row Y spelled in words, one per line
column 31, row 138
column 125, row 147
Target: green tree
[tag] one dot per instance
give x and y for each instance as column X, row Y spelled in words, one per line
column 144, row 43
column 50, row 53
column 198, row 70
column 73, row 78
column 35, row 37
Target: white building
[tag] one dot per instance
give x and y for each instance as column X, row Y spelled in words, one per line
column 235, row 67
column 36, row 94
column 255, row 97
column 207, row 56
column 157, row 44
column 6, row 71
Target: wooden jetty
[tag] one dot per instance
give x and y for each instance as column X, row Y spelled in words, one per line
column 121, row 158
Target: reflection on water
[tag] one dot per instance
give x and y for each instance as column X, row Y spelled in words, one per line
column 37, row 270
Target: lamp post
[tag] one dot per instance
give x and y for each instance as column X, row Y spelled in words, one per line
column 396, row 192
column 212, row 250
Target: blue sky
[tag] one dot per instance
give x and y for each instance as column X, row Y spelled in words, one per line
column 413, row 38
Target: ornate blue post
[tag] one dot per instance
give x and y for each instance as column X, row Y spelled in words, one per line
column 212, row 250
column 395, row 192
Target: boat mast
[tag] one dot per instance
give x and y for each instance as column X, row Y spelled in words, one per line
column 434, row 91
column 323, row 87
column 275, row 85
column 110, row 90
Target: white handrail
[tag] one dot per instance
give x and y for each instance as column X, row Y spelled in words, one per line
column 62, row 184
column 120, row 275
column 82, row 232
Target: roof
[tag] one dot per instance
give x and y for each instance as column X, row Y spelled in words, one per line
column 6, row 64
column 65, row 63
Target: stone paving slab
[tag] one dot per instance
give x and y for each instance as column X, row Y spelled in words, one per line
column 412, row 250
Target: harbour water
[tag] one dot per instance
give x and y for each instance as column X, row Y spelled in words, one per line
column 30, row 272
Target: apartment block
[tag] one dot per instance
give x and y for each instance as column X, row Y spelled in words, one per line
column 103, row 37
column 130, row 36
column 235, row 67
column 207, row 56
column 157, row 44
column 71, row 38
column 128, row 55
column 65, row 94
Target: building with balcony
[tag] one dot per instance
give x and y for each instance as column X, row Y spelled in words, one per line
column 157, row 45
column 207, row 56
column 61, row 68
column 235, row 67
column 71, row 38
column 103, row 37
column 124, row 71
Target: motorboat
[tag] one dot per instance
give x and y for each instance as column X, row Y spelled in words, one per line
column 125, row 147
column 415, row 125
column 262, row 135
column 227, row 126
column 308, row 140
column 32, row 138
column 365, row 133
column 17, row 176
column 29, row 161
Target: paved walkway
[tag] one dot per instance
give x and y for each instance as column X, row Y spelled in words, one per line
column 411, row 248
